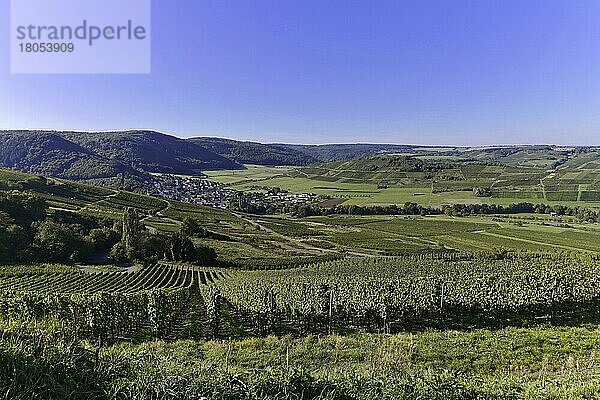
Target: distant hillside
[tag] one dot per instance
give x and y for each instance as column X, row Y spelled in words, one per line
column 391, row 169
column 256, row 153
column 536, row 156
column 51, row 154
column 275, row 154
column 345, row 152
column 100, row 157
column 106, row 157
column 152, row 151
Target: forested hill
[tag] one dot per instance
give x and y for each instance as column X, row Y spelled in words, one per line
column 100, row 157
column 256, row 153
column 294, row 154
column 51, row 154
column 105, row 155
column 536, row 156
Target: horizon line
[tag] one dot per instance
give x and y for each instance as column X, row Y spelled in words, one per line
column 3, row 130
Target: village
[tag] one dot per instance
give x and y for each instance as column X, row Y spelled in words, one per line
column 213, row 194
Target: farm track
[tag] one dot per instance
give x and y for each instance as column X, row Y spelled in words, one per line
column 304, row 246
column 195, row 324
column 97, row 202
column 297, row 242
column 181, row 321
column 156, row 213
column 543, row 189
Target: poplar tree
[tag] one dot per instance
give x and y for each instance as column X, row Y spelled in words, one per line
column 131, row 228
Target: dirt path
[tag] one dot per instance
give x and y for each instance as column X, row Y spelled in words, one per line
column 93, row 270
column 302, row 172
column 543, row 189
column 304, row 246
column 155, row 214
column 95, row 203
column 270, row 231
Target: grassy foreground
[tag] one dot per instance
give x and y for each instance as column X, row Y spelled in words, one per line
column 537, row 363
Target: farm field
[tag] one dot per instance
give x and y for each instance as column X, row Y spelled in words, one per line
column 251, row 173
column 511, row 354
column 246, row 237
column 535, row 186
column 292, row 200
column 394, row 298
column 251, row 237
column 385, row 235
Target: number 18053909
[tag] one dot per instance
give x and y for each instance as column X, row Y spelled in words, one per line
column 46, row 47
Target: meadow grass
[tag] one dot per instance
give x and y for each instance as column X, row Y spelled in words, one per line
column 535, row 363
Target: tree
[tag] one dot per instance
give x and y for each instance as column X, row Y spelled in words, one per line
column 131, row 228
column 5, row 219
column 56, row 242
column 24, row 208
column 119, row 253
column 181, row 248
column 13, row 240
column 155, row 246
column 191, row 228
column 102, row 238
column 205, row 255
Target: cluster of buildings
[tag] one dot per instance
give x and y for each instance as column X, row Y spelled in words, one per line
column 194, row 190
column 209, row 193
column 275, row 197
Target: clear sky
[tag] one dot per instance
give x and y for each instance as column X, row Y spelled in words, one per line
column 320, row 71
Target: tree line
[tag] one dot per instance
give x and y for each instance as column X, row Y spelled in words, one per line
column 458, row 210
column 137, row 243
column 31, row 232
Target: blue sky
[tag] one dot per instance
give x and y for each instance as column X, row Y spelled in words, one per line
column 424, row 72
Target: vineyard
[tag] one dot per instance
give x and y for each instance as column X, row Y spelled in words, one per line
column 384, row 294
column 62, row 279
column 152, row 302
column 394, row 293
column 322, row 307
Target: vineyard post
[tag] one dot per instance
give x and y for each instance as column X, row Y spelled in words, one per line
column 552, row 310
column 330, row 310
column 443, row 293
column 271, row 310
column 214, row 317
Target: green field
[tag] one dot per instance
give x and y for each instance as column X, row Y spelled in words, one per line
column 210, row 347
column 268, row 238
column 552, row 363
column 323, row 307
column 508, row 186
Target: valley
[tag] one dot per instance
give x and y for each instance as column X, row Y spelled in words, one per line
column 389, row 265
